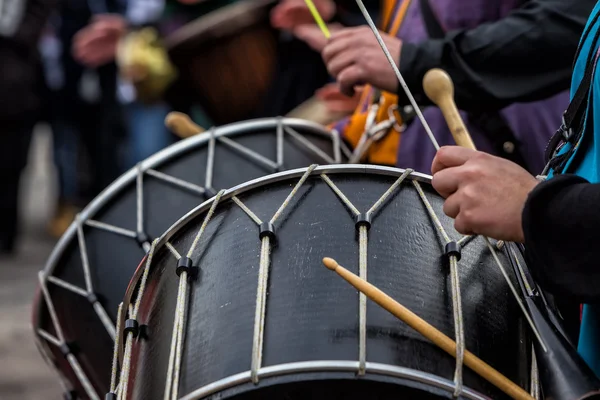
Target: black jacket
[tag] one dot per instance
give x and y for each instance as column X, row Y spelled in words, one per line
column 526, row 56
column 560, row 222
column 20, row 65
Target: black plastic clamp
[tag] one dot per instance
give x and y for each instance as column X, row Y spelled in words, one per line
column 92, row 298
column 71, row 395
column 142, row 239
column 186, row 264
column 131, row 325
column 452, row 249
column 266, row 229
column 110, row 396
column 362, row 220
column 66, row 349
column 209, row 193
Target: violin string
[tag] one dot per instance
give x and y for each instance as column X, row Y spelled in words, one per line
column 398, row 74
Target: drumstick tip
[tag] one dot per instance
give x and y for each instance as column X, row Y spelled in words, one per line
column 330, row 263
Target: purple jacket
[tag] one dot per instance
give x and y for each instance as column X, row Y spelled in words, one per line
column 531, row 123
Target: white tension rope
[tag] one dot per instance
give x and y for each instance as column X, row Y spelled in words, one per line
column 398, row 74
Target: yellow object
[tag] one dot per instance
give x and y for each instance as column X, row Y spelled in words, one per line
column 144, row 61
column 317, row 17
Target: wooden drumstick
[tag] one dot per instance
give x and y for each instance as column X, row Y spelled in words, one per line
column 182, row 125
column 428, row 331
column 438, row 86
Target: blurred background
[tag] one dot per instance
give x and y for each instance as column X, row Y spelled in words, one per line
column 24, row 375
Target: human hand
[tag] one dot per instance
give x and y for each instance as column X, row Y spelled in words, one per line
column 313, row 36
column 335, row 100
column 289, row 14
column 353, row 56
column 484, row 194
column 96, row 44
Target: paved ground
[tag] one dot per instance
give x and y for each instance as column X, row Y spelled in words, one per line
column 23, row 373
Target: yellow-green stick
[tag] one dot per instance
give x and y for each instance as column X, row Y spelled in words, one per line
column 317, row 17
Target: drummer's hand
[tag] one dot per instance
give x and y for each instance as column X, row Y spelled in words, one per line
column 96, row 44
column 354, row 57
column 289, row 14
column 313, row 36
column 484, row 194
column 336, row 101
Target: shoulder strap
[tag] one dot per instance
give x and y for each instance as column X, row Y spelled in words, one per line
column 571, row 128
column 492, row 124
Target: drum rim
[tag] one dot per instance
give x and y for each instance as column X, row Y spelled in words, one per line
column 288, row 174
column 387, row 370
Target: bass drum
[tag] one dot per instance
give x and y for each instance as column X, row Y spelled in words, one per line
column 86, row 275
column 235, row 303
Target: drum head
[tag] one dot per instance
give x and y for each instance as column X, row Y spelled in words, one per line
column 263, row 318
column 88, row 272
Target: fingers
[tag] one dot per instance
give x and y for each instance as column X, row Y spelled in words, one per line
column 452, row 206
column 340, row 62
column 311, row 35
column 351, row 77
column 341, row 41
column 451, row 156
column 447, row 181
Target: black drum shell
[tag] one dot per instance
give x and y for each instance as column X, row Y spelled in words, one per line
column 311, row 313
column 114, row 258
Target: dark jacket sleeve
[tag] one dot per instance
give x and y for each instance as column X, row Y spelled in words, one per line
column 526, row 56
column 561, row 224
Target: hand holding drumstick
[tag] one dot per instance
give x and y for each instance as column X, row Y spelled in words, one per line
column 451, row 166
column 484, row 194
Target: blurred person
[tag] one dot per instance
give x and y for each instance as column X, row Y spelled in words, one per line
column 21, row 26
column 477, row 42
column 65, row 136
column 96, row 45
column 84, row 114
column 299, row 69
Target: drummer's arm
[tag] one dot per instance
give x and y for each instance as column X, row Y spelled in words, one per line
column 561, row 226
column 526, row 56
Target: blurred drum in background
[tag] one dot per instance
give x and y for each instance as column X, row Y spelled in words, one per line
column 88, row 272
column 225, row 60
